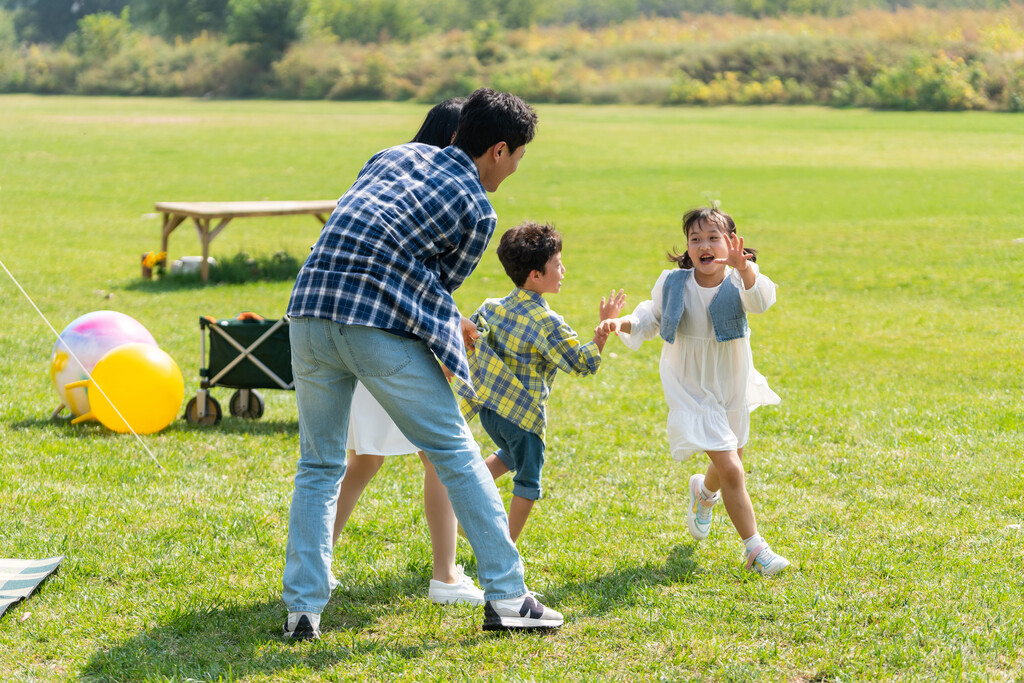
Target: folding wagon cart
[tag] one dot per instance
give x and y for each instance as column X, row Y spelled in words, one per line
column 246, row 353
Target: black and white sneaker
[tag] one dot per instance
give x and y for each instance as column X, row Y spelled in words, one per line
column 302, row 626
column 522, row 613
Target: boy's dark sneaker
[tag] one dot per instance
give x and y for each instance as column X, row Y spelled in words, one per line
column 302, row 626
column 520, row 614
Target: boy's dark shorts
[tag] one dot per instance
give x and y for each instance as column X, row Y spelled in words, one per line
column 521, row 451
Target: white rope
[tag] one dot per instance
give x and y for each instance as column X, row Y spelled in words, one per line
column 94, row 383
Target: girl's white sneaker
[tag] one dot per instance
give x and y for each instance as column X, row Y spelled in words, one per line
column 463, row 590
column 700, row 511
column 765, row 561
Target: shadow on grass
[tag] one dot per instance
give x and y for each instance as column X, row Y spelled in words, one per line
column 231, row 643
column 40, row 423
column 611, row 591
column 227, row 425
column 167, row 284
column 207, row 643
column 187, row 283
column 238, row 269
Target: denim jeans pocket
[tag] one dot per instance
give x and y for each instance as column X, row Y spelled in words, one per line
column 376, row 353
column 300, row 336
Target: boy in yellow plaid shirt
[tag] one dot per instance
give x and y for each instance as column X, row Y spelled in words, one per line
column 521, row 347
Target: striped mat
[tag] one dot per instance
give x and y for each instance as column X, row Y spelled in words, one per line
column 18, row 578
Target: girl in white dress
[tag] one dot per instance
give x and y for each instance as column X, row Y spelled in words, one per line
column 707, row 371
column 372, row 435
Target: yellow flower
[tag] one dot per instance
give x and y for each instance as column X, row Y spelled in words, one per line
column 152, row 258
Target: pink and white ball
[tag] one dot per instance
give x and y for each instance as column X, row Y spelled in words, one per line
column 89, row 338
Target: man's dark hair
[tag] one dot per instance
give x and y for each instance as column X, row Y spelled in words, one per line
column 440, row 124
column 489, row 117
column 526, row 248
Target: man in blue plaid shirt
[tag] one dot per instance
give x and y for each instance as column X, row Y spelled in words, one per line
column 373, row 303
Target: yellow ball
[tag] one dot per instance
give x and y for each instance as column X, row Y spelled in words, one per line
column 144, row 384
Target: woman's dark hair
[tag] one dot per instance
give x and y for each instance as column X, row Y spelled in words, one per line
column 489, row 117
column 438, row 128
column 526, row 248
column 705, row 214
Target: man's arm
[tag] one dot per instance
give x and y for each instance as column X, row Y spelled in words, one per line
column 460, row 264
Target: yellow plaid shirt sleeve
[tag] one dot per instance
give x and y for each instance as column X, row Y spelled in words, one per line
column 522, row 346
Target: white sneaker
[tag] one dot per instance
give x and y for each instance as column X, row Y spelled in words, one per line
column 302, row 626
column 700, row 511
column 463, row 590
column 522, row 613
column 765, row 561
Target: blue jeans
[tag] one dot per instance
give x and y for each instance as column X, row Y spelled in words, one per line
column 403, row 375
column 520, row 451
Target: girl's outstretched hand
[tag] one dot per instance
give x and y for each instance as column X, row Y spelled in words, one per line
column 612, row 326
column 612, row 306
column 735, row 258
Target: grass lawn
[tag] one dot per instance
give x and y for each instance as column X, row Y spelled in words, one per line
column 890, row 474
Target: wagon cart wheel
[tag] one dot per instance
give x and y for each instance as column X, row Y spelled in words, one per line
column 212, row 416
column 247, row 403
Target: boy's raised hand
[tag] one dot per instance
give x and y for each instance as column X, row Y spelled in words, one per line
column 609, row 326
column 612, row 306
column 615, row 326
column 735, row 258
column 469, row 332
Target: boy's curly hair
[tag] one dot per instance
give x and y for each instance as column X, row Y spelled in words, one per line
column 705, row 214
column 527, row 247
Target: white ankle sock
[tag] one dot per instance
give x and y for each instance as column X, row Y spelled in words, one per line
column 706, row 493
column 752, row 542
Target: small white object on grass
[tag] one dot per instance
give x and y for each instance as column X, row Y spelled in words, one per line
column 188, row 265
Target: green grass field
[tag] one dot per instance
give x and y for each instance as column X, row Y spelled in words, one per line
column 890, row 474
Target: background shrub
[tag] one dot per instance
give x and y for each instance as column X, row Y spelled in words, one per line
column 937, row 82
column 908, row 59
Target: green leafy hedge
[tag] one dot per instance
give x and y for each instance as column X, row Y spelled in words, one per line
column 914, row 59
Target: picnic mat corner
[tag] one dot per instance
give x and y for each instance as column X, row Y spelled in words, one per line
column 18, row 578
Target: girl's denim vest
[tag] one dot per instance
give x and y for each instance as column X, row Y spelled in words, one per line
column 727, row 315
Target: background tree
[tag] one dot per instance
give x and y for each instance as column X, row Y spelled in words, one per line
column 51, row 21
column 368, row 21
column 181, row 18
column 102, row 35
column 8, row 36
column 268, row 27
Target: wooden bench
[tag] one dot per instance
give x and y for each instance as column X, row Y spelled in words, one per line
column 203, row 213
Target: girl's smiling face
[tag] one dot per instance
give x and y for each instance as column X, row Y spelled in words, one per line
column 706, row 242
